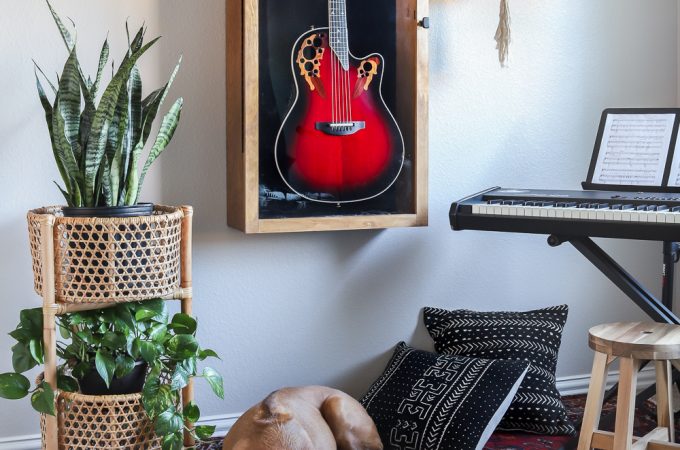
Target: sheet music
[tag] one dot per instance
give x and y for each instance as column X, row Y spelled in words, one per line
column 674, row 178
column 634, row 149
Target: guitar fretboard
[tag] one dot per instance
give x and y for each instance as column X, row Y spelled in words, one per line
column 337, row 22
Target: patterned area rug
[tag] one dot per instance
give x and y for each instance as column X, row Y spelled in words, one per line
column 645, row 421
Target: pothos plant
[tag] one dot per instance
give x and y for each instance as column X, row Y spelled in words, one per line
column 110, row 341
column 98, row 142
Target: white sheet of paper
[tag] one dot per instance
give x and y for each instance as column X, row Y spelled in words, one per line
column 674, row 177
column 634, row 149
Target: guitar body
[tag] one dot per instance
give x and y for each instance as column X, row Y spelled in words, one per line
column 339, row 143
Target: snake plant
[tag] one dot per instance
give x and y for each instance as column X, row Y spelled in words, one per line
column 98, row 141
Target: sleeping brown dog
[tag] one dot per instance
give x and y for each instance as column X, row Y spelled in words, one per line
column 306, row 418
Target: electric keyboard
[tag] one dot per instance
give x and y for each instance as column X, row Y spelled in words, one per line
column 611, row 214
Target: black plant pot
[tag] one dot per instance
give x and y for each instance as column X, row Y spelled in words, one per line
column 140, row 209
column 132, row 383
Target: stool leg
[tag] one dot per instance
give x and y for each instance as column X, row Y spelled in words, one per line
column 664, row 397
column 591, row 417
column 625, row 404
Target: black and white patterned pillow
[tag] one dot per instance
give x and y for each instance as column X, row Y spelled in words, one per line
column 428, row 401
column 533, row 336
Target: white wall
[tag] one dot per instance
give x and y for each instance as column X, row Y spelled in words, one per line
column 327, row 308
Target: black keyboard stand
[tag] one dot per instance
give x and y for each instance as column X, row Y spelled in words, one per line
column 659, row 311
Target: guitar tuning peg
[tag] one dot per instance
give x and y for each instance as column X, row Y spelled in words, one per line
column 425, row 23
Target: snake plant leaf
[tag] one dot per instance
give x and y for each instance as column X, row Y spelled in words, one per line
column 47, row 106
column 135, row 106
column 116, row 144
column 100, row 181
column 103, row 59
column 69, row 101
column 132, row 187
column 118, row 125
column 136, row 43
column 65, row 33
column 96, row 146
column 152, row 103
column 165, row 133
column 105, row 178
column 36, row 66
column 65, row 151
column 86, row 120
column 65, row 194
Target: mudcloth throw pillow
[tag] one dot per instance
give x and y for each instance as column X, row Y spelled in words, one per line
column 428, row 401
column 533, row 336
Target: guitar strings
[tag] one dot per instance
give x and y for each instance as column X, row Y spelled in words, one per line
column 331, row 58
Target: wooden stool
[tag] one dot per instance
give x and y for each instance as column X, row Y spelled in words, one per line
column 631, row 343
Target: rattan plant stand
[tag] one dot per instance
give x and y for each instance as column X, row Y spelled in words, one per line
column 82, row 264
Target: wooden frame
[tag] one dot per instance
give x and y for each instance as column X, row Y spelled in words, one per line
column 243, row 124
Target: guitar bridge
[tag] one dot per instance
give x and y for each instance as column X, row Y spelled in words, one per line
column 340, row 128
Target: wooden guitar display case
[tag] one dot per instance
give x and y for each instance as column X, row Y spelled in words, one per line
column 260, row 200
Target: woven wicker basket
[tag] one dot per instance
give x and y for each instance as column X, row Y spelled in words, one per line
column 88, row 422
column 102, row 260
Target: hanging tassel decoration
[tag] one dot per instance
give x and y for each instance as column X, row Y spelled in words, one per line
column 503, row 34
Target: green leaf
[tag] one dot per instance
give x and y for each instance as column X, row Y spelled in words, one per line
column 36, row 349
column 22, row 360
column 117, row 147
column 157, row 397
column 43, row 399
column 215, row 381
column 156, row 305
column 14, row 386
column 157, row 332
column 191, row 412
column 207, row 353
column 47, row 107
column 69, row 101
column 124, row 365
column 205, row 431
column 105, row 177
column 145, row 314
column 153, row 102
column 124, row 318
column 189, row 365
column 66, row 195
column 103, row 59
column 165, row 134
column 66, row 383
column 168, row 422
column 182, row 346
column 132, row 185
column 180, row 378
column 64, row 332
column 81, row 370
column 105, row 365
column 114, row 341
column 135, row 106
column 22, row 335
column 96, row 146
column 32, row 321
column 149, row 351
column 65, row 154
column 65, row 34
column 173, row 441
column 183, row 324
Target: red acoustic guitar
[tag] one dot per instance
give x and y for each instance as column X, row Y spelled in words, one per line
column 339, row 142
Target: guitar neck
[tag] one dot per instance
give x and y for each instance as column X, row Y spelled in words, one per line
column 337, row 23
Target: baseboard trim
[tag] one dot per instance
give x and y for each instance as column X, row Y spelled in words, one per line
column 571, row 385
column 32, row 441
column 578, row 384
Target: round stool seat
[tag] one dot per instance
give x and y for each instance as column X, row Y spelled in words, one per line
column 638, row 340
